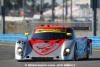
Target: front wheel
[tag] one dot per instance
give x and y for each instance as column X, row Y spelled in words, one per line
column 75, row 53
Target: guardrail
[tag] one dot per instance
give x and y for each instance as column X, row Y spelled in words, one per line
column 11, row 37
column 15, row 37
column 95, row 41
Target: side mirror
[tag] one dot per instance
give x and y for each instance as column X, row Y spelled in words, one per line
column 68, row 34
column 90, row 40
column 26, row 34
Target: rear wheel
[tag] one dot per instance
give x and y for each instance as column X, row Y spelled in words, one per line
column 87, row 52
column 88, row 49
column 87, row 56
column 75, row 53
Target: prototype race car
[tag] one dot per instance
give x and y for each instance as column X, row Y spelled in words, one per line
column 53, row 42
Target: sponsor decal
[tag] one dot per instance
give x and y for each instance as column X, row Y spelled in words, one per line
column 81, row 28
column 50, row 30
column 43, row 48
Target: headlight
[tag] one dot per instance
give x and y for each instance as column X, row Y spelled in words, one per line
column 67, row 50
column 20, row 51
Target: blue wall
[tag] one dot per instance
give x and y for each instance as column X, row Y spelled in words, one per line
column 11, row 37
column 15, row 37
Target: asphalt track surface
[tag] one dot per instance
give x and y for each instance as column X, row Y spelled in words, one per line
column 7, row 60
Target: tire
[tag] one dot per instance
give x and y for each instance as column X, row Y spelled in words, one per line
column 87, row 48
column 75, row 53
column 87, row 56
column 87, row 53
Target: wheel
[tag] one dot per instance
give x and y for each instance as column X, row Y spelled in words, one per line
column 87, row 48
column 87, row 53
column 87, row 56
column 75, row 53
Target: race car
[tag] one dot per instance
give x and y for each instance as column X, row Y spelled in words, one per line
column 53, row 42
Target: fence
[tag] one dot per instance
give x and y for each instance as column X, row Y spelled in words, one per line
column 14, row 37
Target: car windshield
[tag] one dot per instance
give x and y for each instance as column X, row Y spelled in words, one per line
column 49, row 36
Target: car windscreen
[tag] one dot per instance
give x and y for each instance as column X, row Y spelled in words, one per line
column 49, row 36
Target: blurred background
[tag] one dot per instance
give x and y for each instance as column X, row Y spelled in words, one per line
column 78, row 8
column 24, row 15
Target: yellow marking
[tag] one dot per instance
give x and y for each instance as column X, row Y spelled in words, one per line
column 50, row 30
column 26, row 34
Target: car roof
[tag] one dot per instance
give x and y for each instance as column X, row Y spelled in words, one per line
column 52, row 27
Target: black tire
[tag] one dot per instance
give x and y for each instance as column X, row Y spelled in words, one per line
column 75, row 53
column 87, row 53
column 87, row 48
column 87, row 56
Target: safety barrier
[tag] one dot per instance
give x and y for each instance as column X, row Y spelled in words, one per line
column 15, row 37
column 12, row 37
column 95, row 41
